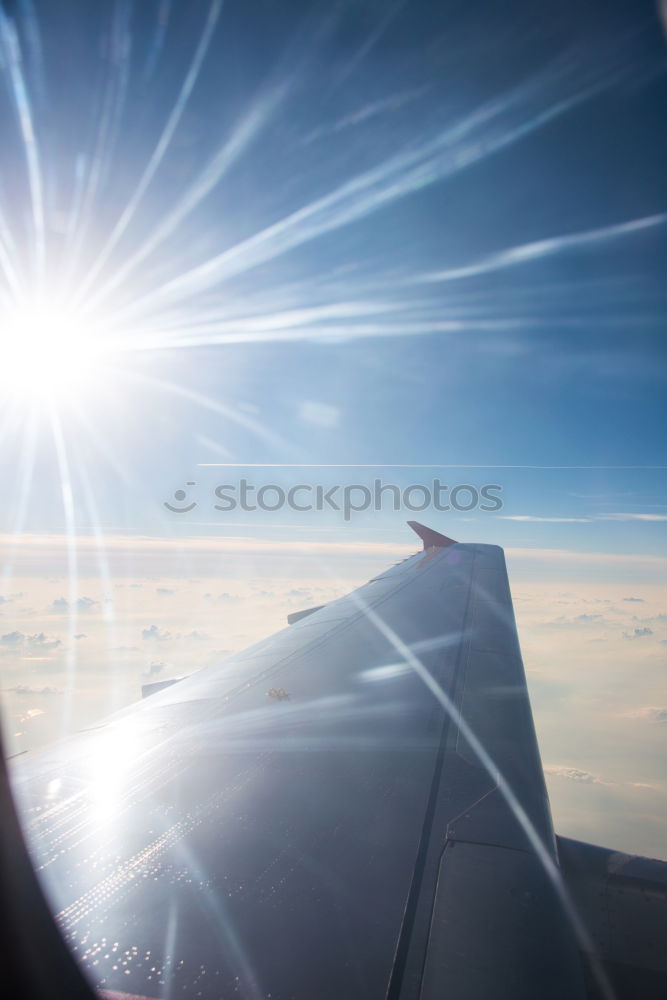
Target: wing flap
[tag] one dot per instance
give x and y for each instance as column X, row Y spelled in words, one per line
column 622, row 900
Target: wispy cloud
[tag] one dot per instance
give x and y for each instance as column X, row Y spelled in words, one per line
column 367, row 111
column 45, row 544
column 544, row 520
column 630, row 516
column 587, row 558
column 650, row 713
column 527, row 252
column 621, row 516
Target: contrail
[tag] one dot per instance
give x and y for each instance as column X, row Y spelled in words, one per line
column 527, row 252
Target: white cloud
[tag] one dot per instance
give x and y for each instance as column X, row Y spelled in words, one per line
column 155, row 668
column 153, row 632
column 38, row 640
column 583, row 619
column 574, row 774
column 43, row 641
column 12, row 638
column 27, row 689
column 62, row 606
column 638, row 633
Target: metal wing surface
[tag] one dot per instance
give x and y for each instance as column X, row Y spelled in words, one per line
column 354, row 807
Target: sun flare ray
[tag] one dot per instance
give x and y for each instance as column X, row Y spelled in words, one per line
column 161, row 147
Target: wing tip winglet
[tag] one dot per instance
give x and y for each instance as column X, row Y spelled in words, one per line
column 430, row 537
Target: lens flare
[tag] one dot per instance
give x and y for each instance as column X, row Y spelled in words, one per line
column 49, row 351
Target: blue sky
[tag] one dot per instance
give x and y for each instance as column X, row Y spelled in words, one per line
column 368, row 234
column 444, row 228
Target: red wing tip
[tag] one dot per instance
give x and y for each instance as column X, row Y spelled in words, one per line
column 431, row 538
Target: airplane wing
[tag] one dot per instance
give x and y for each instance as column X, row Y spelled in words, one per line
column 354, row 807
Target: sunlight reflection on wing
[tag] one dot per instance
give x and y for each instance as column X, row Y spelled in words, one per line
column 116, row 750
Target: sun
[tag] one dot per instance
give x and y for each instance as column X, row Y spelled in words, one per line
column 50, row 350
